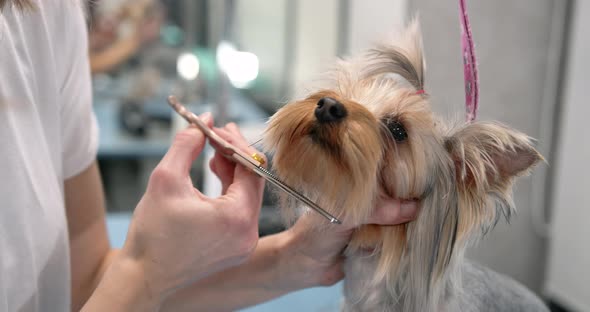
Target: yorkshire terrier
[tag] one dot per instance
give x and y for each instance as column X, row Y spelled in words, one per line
column 370, row 132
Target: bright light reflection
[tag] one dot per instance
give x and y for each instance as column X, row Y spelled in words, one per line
column 241, row 67
column 188, row 66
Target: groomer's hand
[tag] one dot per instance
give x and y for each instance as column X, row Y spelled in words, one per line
column 177, row 234
column 317, row 252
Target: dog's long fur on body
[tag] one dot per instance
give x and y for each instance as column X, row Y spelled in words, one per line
column 461, row 174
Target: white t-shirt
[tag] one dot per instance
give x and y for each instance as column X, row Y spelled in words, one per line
column 48, row 133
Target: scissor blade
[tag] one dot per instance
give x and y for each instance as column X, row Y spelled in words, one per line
column 268, row 176
column 278, row 183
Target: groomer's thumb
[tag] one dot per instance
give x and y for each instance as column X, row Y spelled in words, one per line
column 185, row 148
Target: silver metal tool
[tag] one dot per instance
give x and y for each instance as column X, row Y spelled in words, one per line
column 244, row 159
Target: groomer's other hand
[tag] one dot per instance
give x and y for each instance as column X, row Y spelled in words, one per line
column 320, row 249
column 177, row 234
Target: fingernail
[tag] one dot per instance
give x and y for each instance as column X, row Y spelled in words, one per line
column 231, row 126
column 408, row 209
column 205, row 116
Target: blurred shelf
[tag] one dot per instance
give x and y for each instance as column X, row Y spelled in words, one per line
column 117, row 142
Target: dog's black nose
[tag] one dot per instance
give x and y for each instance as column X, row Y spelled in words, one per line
column 330, row 110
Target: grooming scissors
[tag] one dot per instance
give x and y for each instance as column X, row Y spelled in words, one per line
column 253, row 162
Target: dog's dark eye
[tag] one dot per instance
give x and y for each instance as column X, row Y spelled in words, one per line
column 397, row 130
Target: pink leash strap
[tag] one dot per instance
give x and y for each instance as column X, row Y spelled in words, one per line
column 469, row 65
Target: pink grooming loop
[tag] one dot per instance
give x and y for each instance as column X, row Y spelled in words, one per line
column 469, row 65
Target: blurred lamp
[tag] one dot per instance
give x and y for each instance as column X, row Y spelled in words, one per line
column 187, row 66
column 241, row 67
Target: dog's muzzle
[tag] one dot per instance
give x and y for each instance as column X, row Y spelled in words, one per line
column 330, row 110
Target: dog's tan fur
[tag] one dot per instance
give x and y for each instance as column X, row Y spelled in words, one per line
column 462, row 176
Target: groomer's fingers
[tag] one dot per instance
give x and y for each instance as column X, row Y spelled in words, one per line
column 389, row 211
column 187, row 145
column 233, row 128
column 223, row 169
column 246, row 186
column 185, row 148
column 333, row 274
column 232, row 134
column 207, row 118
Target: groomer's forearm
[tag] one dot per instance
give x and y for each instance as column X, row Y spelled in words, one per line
column 85, row 278
column 264, row 276
column 124, row 287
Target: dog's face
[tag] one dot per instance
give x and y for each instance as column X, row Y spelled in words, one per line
column 346, row 147
column 370, row 132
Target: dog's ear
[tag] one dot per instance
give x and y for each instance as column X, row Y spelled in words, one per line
column 405, row 57
column 487, row 157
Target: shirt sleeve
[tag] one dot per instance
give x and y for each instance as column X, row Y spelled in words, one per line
column 79, row 129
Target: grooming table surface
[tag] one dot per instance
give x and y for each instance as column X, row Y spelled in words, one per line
column 321, row 299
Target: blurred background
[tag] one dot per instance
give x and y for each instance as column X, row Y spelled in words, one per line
column 244, row 59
